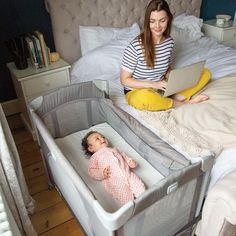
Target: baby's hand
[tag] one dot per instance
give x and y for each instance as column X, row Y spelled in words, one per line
column 106, row 172
column 132, row 163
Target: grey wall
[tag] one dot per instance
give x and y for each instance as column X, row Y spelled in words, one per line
column 19, row 17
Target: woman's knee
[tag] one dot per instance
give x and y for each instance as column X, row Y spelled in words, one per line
column 148, row 99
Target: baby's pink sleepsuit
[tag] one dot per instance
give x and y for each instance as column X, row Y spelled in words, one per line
column 123, row 184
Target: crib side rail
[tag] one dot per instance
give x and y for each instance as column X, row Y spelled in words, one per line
column 70, row 183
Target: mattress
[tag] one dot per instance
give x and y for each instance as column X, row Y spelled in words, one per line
column 71, row 147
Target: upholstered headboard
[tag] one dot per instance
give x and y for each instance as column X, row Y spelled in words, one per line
column 67, row 16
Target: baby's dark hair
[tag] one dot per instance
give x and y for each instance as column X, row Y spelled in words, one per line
column 84, row 143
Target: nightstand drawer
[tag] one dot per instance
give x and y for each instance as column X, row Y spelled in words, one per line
column 230, row 43
column 225, row 34
column 229, row 35
column 45, row 83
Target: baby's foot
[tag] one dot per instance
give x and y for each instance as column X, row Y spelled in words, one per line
column 198, row 98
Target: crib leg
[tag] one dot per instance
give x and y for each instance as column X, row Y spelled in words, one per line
column 50, row 185
column 49, row 176
column 189, row 229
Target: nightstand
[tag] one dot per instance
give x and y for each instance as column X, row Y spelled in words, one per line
column 225, row 34
column 31, row 83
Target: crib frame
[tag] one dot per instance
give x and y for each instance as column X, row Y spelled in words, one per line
column 185, row 187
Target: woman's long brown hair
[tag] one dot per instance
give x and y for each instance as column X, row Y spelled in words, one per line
column 146, row 35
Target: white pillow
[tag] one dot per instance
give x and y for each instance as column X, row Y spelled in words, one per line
column 181, row 36
column 104, row 61
column 191, row 24
column 92, row 37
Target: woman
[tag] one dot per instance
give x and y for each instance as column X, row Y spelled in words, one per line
column 146, row 64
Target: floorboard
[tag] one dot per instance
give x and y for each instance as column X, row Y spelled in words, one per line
column 69, row 228
column 51, row 217
column 46, row 199
column 37, row 184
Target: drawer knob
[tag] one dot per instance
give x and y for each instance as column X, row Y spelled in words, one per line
column 47, row 84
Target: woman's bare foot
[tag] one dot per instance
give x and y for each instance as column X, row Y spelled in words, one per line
column 198, row 98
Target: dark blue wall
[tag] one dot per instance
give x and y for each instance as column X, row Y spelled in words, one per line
column 210, row 8
column 19, row 17
column 22, row 16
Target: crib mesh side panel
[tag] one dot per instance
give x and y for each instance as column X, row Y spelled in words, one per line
column 64, row 101
column 166, row 216
column 74, row 108
column 72, row 116
column 81, row 114
column 127, row 125
column 96, row 112
column 160, row 154
column 68, row 94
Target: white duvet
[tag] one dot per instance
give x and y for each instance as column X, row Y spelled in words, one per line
column 221, row 60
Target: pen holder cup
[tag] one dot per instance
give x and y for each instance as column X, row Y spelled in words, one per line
column 18, row 50
column 20, row 62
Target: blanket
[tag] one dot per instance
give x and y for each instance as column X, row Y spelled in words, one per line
column 197, row 130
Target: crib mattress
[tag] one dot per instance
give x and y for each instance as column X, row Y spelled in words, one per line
column 71, row 147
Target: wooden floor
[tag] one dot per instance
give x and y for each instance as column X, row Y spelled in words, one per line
column 52, row 217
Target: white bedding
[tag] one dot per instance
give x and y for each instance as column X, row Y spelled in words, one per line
column 221, row 61
column 214, row 121
column 72, row 149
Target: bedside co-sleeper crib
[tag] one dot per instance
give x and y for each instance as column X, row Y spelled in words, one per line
column 175, row 185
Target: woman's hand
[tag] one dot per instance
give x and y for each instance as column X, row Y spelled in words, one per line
column 160, row 85
column 126, row 79
column 106, row 172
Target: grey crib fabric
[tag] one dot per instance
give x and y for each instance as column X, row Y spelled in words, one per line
column 162, row 210
column 74, row 113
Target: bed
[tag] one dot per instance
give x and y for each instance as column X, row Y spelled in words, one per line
column 213, row 124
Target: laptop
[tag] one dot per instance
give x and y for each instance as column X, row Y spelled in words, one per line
column 183, row 78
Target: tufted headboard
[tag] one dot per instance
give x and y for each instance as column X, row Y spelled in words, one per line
column 67, row 16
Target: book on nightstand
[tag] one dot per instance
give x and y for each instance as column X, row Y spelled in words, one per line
column 44, row 49
column 31, row 50
column 39, row 50
column 36, row 50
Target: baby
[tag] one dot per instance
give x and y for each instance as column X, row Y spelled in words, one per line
column 113, row 168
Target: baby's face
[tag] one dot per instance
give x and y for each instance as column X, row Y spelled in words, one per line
column 96, row 141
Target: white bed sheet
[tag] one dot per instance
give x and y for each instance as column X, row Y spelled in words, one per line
column 72, row 149
column 224, row 163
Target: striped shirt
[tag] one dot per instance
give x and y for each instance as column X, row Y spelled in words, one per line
column 135, row 63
